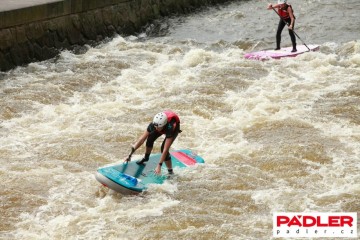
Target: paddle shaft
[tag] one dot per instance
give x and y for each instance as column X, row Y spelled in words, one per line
column 291, row 29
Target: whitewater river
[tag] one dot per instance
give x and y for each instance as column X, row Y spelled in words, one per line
column 277, row 136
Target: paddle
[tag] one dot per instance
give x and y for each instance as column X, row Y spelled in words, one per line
column 289, row 25
column 130, row 155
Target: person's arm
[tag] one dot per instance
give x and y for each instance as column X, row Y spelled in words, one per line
column 164, row 154
column 270, row 6
column 137, row 144
column 291, row 14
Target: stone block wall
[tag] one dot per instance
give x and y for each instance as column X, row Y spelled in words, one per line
column 40, row 32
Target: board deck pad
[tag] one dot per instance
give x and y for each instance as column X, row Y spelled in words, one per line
column 132, row 177
column 283, row 52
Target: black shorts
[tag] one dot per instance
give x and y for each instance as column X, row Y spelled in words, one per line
column 155, row 135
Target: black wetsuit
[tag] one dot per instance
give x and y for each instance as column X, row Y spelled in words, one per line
column 171, row 130
column 281, row 27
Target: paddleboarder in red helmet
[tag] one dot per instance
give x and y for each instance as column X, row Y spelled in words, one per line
column 286, row 14
column 164, row 123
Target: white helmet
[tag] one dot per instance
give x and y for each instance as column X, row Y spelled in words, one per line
column 160, row 120
column 282, row 1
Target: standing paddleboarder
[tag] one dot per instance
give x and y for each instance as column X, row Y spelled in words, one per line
column 287, row 17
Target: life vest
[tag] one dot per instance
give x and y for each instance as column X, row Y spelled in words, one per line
column 171, row 116
column 173, row 121
column 284, row 14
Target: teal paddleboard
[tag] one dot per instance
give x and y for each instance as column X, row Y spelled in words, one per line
column 132, row 178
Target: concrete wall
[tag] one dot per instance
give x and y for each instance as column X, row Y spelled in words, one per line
column 40, row 32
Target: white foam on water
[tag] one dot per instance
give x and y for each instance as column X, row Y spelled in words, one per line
column 274, row 136
column 74, row 210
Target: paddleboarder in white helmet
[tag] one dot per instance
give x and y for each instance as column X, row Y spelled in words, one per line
column 167, row 123
column 286, row 13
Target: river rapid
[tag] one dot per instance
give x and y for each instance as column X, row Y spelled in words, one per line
column 277, row 136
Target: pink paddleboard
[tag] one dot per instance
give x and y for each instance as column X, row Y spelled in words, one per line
column 283, row 52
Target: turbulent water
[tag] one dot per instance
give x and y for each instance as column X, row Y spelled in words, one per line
column 279, row 135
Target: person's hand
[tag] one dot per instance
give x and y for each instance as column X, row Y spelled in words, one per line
column 270, row 6
column 290, row 27
column 128, row 159
column 158, row 169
